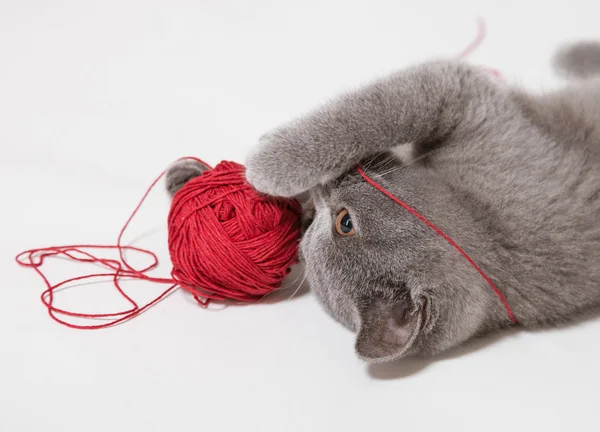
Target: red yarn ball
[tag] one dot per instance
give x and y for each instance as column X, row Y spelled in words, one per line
column 227, row 241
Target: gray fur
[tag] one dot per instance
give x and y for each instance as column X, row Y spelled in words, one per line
column 513, row 177
column 581, row 60
column 182, row 171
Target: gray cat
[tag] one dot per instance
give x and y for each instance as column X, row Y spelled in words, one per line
column 512, row 177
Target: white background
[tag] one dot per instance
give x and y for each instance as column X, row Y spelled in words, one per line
column 96, row 98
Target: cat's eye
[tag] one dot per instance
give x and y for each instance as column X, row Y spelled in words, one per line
column 343, row 224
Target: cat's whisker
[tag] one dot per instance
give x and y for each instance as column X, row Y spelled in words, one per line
column 424, row 155
column 298, row 288
column 284, row 287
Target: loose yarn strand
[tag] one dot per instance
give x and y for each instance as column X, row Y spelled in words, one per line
column 476, row 43
column 226, row 242
column 118, row 270
column 469, row 49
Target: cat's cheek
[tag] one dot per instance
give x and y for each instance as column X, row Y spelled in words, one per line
column 336, row 303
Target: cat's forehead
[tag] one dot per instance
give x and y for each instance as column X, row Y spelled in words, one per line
column 352, row 188
column 348, row 189
column 378, row 164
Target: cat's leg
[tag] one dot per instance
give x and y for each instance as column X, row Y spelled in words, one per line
column 426, row 104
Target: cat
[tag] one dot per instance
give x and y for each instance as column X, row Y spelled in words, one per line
column 511, row 176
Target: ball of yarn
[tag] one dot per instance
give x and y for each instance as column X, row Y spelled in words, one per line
column 227, row 241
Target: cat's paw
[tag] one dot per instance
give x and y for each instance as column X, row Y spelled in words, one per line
column 276, row 168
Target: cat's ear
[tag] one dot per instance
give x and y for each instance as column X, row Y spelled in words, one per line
column 387, row 330
column 181, row 172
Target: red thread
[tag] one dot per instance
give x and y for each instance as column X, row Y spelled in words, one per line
column 442, row 234
column 477, row 41
column 265, row 230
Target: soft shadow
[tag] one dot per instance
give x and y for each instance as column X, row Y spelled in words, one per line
column 150, row 232
column 409, row 366
column 292, row 287
column 585, row 316
column 412, row 365
column 399, row 369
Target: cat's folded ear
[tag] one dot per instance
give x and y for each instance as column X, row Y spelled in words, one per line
column 387, row 330
column 181, row 172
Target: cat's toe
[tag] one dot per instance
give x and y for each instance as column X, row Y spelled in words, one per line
column 270, row 180
column 270, row 169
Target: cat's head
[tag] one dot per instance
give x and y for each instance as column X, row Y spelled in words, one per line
column 386, row 275
column 376, row 267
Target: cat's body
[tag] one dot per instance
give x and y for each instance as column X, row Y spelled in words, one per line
column 512, row 177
